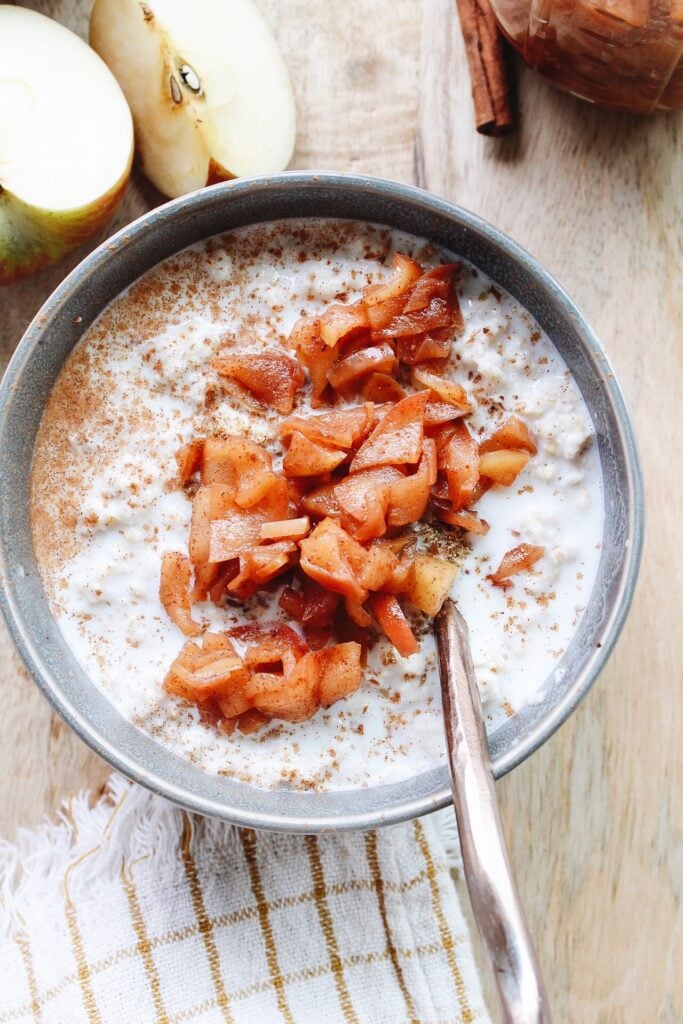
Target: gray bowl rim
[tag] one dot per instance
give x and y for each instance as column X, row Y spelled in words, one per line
column 406, row 807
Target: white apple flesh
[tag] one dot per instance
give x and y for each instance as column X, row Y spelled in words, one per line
column 66, row 142
column 207, row 85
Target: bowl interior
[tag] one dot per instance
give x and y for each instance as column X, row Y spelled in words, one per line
column 113, row 267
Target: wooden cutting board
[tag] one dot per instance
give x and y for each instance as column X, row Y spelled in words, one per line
column 595, row 818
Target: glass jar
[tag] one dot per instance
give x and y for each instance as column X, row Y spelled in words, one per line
column 626, row 54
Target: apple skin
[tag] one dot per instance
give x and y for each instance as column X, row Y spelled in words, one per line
column 32, row 238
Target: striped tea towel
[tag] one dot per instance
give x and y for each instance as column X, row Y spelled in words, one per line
column 132, row 912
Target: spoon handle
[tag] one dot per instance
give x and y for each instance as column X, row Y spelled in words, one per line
column 495, row 902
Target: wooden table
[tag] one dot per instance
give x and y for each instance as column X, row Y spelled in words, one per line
column 595, row 817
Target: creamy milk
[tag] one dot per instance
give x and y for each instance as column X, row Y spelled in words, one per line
column 139, row 385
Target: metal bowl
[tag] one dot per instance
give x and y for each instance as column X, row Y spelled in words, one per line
column 162, row 232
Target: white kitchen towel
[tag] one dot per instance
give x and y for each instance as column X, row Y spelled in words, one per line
column 130, row 911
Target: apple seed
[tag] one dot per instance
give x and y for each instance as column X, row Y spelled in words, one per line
column 175, row 90
column 190, row 78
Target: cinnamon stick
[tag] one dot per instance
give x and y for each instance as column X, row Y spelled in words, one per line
column 484, row 48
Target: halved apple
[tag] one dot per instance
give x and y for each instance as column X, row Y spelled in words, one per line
column 66, row 142
column 209, row 90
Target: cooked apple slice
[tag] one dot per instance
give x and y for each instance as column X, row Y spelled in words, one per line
column 468, row 521
column 175, row 591
column 310, row 458
column 503, row 466
column 514, row 433
column 519, row 559
column 334, row 559
column 430, row 581
column 66, row 142
column 286, row 529
column 349, row 371
column 311, row 604
column 446, row 390
column 271, row 377
column 397, row 439
column 206, row 82
column 393, row 623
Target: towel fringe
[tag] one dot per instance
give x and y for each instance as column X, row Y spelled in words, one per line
column 93, row 840
column 90, row 842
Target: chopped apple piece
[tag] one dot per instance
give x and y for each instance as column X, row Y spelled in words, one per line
column 333, row 558
column 311, row 605
column 310, row 458
column 210, row 579
column 353, row 492
column 431, row 305
column 447, row 390
column 397, row 439
column 240, row 464
column 250, row 721
column 304, row 331
column 271, row 377
column 350, row 369
column 459, row 458
column 319, row 679
column 514, row 433
column 384, row 302
column 405, row 273
column 261, row 564
column 231, row 529
column 469, row 521
column 234, row 533
column 409, row 496
column 66, row 142
column 207, row 85
column 341, row 672
column 424, row 290
column 341, row 429
column 422, row 348
column 357, row 613
column 380, row 387
column 217, row 642
column 175, row 591
column 438, row 413
column 189, row 460
column 294, row 697
column 321, row 502
column 235, row 701
column 201, row 675
column 373, row 524
column 503, row 466
column 208, row 681
column 339, row 322
column 437, row 314
column 392, row 621
column 430, row 582
column 384, row 570
column 277, row 647
column 518, row 559
column 286, row 529
column 315, row 356
column 200, row 526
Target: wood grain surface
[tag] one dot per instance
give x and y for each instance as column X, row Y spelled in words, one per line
column 595, row 818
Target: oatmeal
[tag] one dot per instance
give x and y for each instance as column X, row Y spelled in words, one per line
column 107, row 508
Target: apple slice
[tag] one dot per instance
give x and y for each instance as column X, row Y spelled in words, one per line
column 66, row 142
column 209, row 90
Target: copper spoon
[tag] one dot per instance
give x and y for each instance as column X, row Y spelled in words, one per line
column 495, row 902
